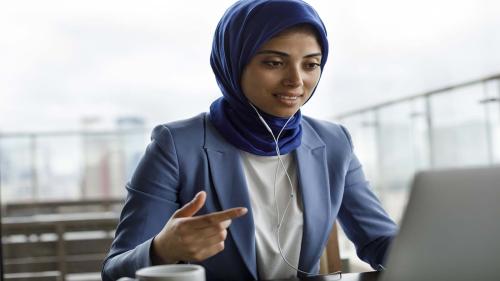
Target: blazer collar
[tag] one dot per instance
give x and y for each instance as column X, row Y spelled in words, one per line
column 310, row 139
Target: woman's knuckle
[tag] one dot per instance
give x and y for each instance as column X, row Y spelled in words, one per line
column 198, row 257
column 211, row 220
column 192, row 251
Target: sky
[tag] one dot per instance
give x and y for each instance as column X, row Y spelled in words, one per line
column 63, row 61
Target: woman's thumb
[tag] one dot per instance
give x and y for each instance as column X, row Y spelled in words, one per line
column 192, row 207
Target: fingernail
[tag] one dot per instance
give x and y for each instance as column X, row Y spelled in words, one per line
column 244, row 211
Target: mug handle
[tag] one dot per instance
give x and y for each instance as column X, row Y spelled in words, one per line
column 126, row 279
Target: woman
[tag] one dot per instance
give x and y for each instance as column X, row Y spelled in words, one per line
column 217, row 190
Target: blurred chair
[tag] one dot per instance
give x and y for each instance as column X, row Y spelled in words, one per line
column 330, row 260
column 56, row 247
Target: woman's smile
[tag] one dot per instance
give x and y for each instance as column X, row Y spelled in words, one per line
column 288, row 99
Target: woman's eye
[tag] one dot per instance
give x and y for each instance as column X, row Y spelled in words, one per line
column 312, row 65
column 271, row 63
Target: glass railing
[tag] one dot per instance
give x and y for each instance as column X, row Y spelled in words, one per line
column 450, row 127
column 454, row 126
column 68, row 165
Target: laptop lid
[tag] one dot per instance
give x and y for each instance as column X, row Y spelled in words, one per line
column 450, row 229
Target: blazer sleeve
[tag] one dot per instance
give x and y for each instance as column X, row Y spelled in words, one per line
column 362, row 217
column 151, row 201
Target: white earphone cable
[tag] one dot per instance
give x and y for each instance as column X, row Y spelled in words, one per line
column 291, row 196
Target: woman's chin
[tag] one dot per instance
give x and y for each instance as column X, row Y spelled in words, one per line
column 284, row 113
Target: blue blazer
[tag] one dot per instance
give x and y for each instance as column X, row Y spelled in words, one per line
column 188, row 156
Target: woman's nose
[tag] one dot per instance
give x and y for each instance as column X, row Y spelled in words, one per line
column 293, row 77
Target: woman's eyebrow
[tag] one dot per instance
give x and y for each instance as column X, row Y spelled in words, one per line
column 272, row 52
column 313, row 55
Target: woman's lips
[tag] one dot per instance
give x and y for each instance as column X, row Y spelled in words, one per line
column 288, row 99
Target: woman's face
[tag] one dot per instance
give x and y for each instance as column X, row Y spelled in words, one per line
column 283, row 73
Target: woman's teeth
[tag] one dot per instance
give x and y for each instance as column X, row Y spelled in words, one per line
column 287, row 97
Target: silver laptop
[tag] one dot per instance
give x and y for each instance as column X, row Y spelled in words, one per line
column 450, row 229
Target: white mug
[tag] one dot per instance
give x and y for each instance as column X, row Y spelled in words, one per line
column 169, row 272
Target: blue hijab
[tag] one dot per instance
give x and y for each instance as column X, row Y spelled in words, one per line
column 244, row 27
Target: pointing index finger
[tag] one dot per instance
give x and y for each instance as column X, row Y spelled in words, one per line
column 218, row 217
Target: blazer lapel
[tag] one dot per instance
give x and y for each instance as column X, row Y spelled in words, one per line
column 230, row 186
column 314, row 188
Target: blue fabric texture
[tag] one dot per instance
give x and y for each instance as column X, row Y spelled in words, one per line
column 244, row 27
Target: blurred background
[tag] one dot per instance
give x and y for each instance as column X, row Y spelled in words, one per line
column 82, row 83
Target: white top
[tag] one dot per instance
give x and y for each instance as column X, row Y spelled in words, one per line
column 260, row 174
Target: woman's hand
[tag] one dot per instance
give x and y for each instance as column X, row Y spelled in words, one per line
column 186, row 237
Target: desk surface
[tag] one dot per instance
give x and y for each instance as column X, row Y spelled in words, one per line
column 364, row 276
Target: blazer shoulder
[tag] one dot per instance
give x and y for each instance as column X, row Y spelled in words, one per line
column 188, row 130
column 329, row 131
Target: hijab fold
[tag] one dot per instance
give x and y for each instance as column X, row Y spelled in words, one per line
column 243, row 28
